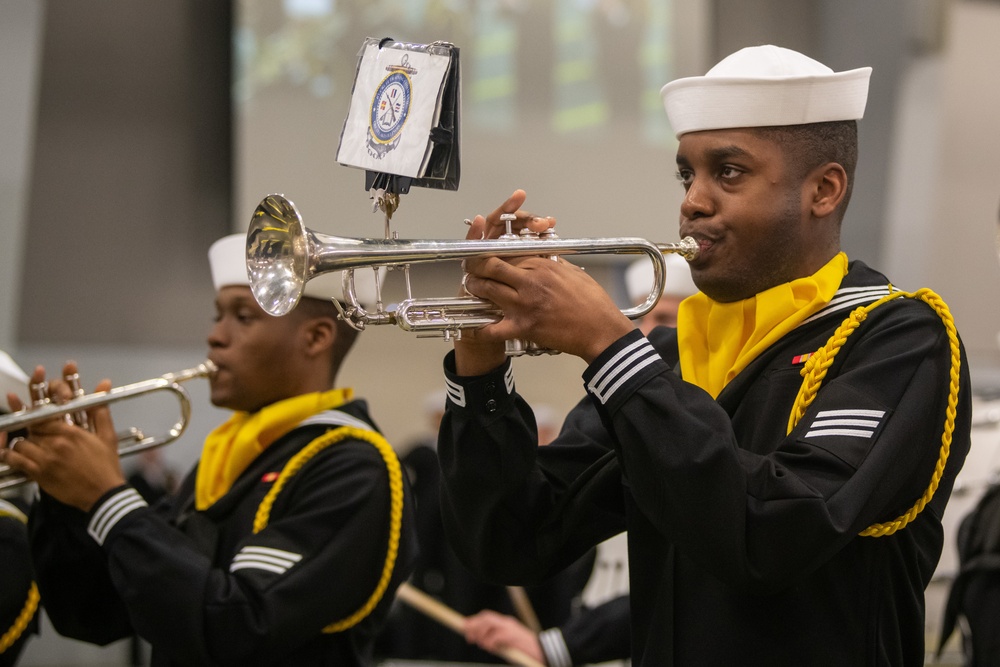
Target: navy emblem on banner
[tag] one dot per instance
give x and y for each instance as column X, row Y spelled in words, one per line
column 390, row 108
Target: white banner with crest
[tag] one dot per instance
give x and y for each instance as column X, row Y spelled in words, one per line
column 395, row 104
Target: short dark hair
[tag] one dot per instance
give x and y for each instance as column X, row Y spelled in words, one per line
column 813, row 144
column 345, row 334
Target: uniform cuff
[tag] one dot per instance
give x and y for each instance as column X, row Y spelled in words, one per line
column 554, row 648
column 626, row 365
column 111, row 509
column 490, row 393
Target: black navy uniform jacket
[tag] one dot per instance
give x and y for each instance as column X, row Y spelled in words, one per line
column 15, row 582
column 743, row 541
column 203, row 589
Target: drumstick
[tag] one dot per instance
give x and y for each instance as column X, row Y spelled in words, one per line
column 450, row 618
column 523, row 607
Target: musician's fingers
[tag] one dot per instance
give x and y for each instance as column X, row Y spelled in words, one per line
column 492, row 279
column 20, row 455
column 71, row 376
column 502, row 632
column 522, row 219
column 37, row 386
column 100, row 419
column 59, row 391
column 541, row 223
column 478, row 626
column 70, row 368
column 513, row 203
column 15, row 402
column 477, row 229
column 40, row 394
column 500, row 280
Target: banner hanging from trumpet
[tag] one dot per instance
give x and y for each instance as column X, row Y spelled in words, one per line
column 404, row 117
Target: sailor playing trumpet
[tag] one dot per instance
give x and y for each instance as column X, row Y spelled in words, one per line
column 284, row 545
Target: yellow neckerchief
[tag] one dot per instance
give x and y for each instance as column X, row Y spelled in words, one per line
column 718, row 340
column 231, row 447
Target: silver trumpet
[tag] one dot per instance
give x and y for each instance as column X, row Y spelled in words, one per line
column 282, row 255
column 130, row 441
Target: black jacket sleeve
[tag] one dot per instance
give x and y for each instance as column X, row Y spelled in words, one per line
column 594, row 634
column 499, row 491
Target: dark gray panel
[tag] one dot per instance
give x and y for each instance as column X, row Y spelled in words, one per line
column 131, row 180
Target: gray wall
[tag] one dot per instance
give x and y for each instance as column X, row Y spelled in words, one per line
column 131, row 172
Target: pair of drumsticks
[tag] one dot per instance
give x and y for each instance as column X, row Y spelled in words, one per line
column 450, row 618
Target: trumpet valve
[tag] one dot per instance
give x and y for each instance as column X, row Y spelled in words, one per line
column 520, row 348
column 39, row 393
column 80, row 417
column 508, row 219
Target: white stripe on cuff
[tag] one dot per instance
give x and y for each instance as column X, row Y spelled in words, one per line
column 554, row 647
column 456, row 392
column 620, row 368
column 112, row 511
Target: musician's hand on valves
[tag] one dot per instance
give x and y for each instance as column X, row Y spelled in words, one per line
column 495, row 632
column 71, row 464
column 554, row 304
column 493, row 226
column 475, row 355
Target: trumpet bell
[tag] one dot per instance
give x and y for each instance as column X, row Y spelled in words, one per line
column 277, row 255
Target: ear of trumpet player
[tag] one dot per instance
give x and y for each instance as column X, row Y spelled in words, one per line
column 282, row 255
column 131, row 440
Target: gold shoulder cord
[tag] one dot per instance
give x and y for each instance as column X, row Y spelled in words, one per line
column 395, row 507
column 27, row 612
column 818, row 364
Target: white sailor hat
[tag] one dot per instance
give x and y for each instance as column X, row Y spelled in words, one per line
column 13, row 380
column 762, row 86
column 639, row 278
column 227, row 257
column 434, row 402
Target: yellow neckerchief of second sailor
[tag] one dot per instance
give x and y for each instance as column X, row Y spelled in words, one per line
column 233, row 446
column 718, row 340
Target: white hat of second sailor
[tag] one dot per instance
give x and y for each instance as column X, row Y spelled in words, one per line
column 678, row 283
column 227, row 257
column 13, row 380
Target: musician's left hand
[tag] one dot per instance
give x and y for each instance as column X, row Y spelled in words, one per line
column 475, row 355
column 553, row 303
column 494, row 632
column 71, row 464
